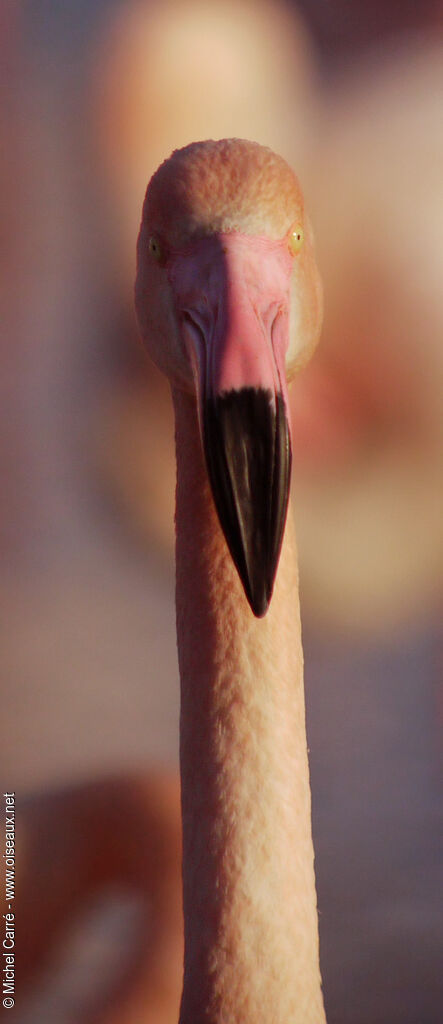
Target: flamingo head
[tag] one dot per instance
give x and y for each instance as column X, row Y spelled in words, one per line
column 229, row 305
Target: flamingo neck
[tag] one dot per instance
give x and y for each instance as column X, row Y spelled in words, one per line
column 251, row 941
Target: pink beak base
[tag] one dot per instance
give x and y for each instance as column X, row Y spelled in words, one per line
column 231, row 295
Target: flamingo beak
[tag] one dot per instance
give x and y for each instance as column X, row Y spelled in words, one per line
column 248, row 454
column 235, row 324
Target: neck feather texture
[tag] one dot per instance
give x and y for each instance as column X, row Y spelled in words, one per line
column 251, row 941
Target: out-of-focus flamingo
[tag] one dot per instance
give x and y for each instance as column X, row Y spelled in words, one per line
column 229, row 306
column 370, row 407
column 111, row 839
column 170, row 70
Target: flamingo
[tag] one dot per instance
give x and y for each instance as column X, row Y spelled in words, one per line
column 164, row 73
column 92, row 858
column 228, row 300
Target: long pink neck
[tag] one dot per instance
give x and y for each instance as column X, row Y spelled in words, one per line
column 251, row 943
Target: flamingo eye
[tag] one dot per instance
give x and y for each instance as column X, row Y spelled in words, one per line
column 296, row 238
column 156, row 249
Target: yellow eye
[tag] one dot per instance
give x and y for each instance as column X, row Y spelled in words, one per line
column 295, row 239
column 156, row 249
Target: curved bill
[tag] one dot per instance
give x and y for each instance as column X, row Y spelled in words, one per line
column 235, row 323
column 248, row 455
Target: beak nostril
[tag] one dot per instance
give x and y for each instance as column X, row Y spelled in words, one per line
column 189, row 318
column 277, row 319
column 279, row 333
column 191, row 322
column 194, row 339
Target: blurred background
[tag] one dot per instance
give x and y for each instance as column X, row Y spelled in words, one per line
column 96, row 94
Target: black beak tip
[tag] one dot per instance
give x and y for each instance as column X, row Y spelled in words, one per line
column 259, row 605
column 248, row 455
column 258, row 585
